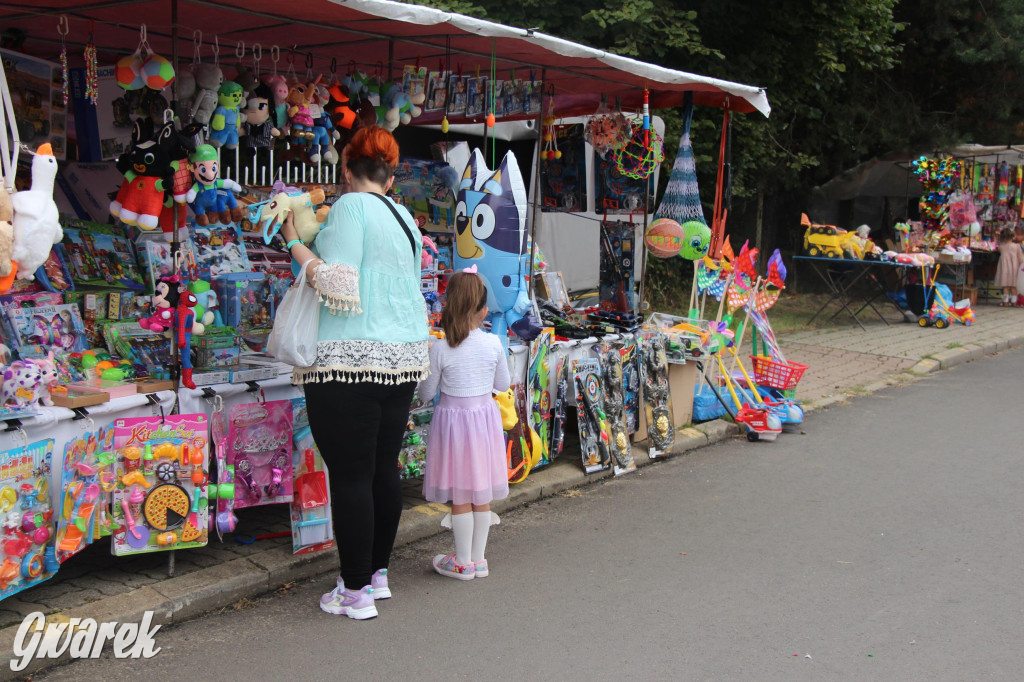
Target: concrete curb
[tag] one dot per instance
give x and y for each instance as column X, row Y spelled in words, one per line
column 182, row 598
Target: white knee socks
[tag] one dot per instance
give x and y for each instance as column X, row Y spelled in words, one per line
column 481, row 527
column 462, row 527
column 471, row 530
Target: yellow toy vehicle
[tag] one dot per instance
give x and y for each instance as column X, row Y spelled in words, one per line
column 824, row 241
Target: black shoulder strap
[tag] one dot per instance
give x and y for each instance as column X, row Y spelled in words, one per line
column 398, row 217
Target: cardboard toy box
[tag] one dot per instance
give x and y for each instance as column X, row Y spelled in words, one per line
column 217, row 349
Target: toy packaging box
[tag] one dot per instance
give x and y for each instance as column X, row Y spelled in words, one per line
column 420, row 186
column 27, row 555
column 157, row 259
column 101, row 256
column 246, row 298
column 260, row 448
column 220, row 250
column 10, row 302
column 312, row 525
column 564, row 180
column 146, row 350
column 617, row 194
column 160, row 502
column 57, row 326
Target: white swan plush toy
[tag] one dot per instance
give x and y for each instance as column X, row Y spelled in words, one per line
column 36, row 220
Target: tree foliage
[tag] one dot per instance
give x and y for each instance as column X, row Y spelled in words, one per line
column 846, row 80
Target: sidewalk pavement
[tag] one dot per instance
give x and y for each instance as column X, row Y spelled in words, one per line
column 844, row 362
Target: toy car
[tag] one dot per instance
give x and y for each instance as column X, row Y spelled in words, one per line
column 823, row 240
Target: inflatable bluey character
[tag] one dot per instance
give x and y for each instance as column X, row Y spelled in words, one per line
column 490, row 234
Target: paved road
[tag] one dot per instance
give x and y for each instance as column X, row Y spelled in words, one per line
column 885, row 544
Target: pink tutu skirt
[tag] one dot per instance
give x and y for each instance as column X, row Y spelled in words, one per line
column 465, row 452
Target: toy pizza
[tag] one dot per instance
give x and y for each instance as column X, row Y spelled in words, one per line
column 166, row 506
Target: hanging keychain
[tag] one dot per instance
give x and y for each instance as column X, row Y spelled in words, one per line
column 62, row 29
column 91, row 70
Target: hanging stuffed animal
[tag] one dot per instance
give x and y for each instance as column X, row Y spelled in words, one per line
column 185, row 92
column 279, row 98
column 184, row 327
column 148, row 173
column 490, row 236
column 209, row 78
column 212, row 198
column 321, row 146
column 225, row 121
column 258, row 131
column 163, row 304
column 7, row 268
column 299, row 118
column 36, row 219
column 245, row 76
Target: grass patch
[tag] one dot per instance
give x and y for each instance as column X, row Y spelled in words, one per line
column 953, row 345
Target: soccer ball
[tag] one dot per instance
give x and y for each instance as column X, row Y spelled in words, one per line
column 157, row 72
column 129, row 72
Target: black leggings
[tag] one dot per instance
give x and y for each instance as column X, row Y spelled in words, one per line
column 359, row 428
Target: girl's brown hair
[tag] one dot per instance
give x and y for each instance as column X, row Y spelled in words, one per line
column 1006, row 235
column 465, row 296
column 372, row 154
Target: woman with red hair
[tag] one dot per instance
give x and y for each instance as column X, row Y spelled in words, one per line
column 371, row 351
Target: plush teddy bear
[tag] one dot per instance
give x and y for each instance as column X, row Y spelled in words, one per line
column 246, row 77
column 209, row 78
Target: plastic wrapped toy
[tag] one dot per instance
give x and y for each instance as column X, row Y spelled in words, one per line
column 225, row 121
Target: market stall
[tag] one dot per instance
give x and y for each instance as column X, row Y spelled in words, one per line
column 149, row 169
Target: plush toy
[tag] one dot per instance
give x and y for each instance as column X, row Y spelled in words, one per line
column 48, row 376
column 321, row 146
column 344, row 116
column 185, row 92
column 225, row 121
column 210, row 195
column 7, row 269
column 183, row 329
column 207, row 309
column 36, row 219
column 300, row 119
column 209, row 78
column 246, row 77
column 21, row 379
column 258, row 130
column 163, row 302
column 490, row 235
column 148, row 173
column 278, row 87
column 308, row 222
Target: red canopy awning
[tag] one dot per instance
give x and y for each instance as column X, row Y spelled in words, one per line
column 372, row 34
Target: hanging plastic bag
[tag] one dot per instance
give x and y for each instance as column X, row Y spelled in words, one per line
column 293, row 339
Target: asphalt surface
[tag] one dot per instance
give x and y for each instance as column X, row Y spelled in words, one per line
column 884, row 544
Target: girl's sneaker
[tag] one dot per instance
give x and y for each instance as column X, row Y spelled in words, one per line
column 445, row 565
column 354, row 604
column 379, row 583
column 481, row 569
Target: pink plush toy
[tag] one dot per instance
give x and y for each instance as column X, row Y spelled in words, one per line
column 47, row 377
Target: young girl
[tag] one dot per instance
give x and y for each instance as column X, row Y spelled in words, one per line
column 466, row 451
column 1011, row 258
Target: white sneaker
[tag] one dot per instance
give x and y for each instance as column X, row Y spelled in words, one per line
column 358, row 605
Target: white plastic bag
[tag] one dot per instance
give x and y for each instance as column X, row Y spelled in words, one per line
column 293, row 338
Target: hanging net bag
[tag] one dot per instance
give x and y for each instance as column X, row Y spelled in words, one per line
column 682, row 196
